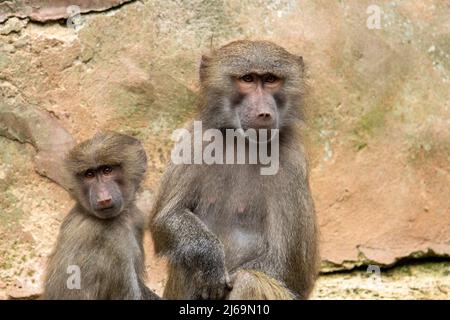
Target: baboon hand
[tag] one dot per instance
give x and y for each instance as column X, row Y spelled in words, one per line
column 213, row 284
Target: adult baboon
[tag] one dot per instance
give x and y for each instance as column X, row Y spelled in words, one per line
column 229, row 231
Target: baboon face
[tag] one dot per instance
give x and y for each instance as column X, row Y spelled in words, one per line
column 105, row 173
column 252, row 84
column 103, row 189
column 255, row 100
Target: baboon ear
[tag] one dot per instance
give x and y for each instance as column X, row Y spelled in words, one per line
column 204, row 63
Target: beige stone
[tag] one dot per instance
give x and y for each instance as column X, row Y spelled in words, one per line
column 378, row 130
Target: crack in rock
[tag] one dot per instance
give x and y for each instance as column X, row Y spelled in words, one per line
column 53, row 9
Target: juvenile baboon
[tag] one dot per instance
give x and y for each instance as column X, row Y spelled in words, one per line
column 99, row 252
column 229, row 231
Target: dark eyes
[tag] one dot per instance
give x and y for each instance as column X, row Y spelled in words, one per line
column 270, row 78
column 247, row 78
column 89, row 174
column 107, row 170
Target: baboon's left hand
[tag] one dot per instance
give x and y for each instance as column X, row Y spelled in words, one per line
column 213, row 285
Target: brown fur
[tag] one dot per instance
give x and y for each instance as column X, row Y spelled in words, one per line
column 109, row 252
column 255, row 285
column 197, row 219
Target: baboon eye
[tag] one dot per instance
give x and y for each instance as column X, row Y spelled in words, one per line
column 107, row 170
column 270, row 78
column 89, row 173
column 247, row 78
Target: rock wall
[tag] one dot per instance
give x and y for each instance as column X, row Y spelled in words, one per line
column 378, row 114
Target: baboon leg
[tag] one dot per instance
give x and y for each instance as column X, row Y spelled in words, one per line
column 256, row 285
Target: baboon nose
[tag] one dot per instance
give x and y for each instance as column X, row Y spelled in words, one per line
column 264, row 116
column 104, row 203
column 263, row 120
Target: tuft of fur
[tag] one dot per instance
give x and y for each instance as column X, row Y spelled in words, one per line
column 256, row 285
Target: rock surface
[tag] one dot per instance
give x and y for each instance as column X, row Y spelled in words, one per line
column 38, row 10
column 29, row 124
column 424, row 281
column 378, row 114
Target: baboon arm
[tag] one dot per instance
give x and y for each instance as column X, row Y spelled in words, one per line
column 185, row 239
column 177, row 232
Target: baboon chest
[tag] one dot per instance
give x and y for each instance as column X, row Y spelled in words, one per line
column 234, row 208
column 111, row 255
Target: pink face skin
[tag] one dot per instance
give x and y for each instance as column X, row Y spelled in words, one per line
column 102, row 185
column 259, row 108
